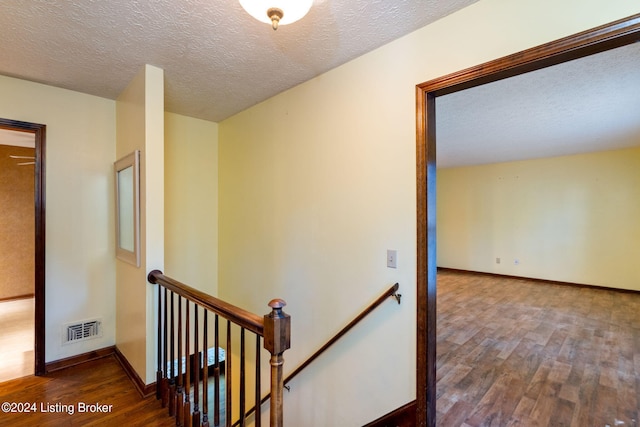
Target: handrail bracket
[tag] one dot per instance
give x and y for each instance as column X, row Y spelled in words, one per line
column 397, row 296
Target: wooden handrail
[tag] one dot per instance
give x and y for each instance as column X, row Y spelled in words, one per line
column 237, row 315
column 274, row 328
column 389, row 292
column 392, row 291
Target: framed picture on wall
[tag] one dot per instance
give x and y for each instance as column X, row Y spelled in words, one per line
column 127, row 180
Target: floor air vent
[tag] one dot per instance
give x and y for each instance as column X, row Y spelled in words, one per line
column 81, row 331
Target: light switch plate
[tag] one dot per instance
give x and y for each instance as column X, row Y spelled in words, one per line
column 392, row 258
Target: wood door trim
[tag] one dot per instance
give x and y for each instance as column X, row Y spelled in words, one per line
column 596, row 40
column 39, row 132
column 599, row 39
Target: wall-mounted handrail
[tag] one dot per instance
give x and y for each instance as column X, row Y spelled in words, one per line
column 391, row 292
column 237, row 315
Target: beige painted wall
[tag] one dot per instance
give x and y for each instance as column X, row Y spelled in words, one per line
column 80, row 150
column 17, row 230
column 191, row 201
column 318, row 182
column 315, row 185
column 572, row 218
column 140, row 125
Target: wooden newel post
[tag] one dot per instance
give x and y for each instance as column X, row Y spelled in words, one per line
column 277, row 339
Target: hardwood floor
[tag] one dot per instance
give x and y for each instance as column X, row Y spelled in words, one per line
column 516, row 352
column 16, row 338
column 59, row 398
column 101, row 381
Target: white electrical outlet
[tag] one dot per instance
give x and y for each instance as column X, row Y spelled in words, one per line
column 392, row 258
column 497, row 260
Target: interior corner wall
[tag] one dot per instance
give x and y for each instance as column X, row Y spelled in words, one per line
column 153, row 202
column 80, row 235
column 140, row 126
column 191, row 201
column 571, row 219
column 316, row 183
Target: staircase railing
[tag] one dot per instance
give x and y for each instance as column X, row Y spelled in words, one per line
column 391, row 292
column 185, row 363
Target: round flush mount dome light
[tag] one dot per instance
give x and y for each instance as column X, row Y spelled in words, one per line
column 277, row 12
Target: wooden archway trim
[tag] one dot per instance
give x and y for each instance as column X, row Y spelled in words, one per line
column 599, row 39
column 39, row 132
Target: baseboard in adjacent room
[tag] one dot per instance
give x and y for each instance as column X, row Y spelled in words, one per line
column 144, row 389
column 534, row 279
column 80, row 358
column 17, row 297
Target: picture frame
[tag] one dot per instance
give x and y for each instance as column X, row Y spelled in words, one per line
column 127, row 191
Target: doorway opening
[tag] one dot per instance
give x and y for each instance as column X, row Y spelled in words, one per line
column 606, row 37
column 39, row 135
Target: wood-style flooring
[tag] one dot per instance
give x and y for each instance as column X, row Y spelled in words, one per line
column 517, row 352
column 511, row 352
column 58, row 398
column 16, row 338
column 101, row 381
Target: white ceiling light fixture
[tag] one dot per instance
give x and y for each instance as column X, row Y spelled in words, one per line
column 277, row 12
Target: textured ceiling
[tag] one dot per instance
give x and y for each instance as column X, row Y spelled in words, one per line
column 585, row 105
column 217, row 59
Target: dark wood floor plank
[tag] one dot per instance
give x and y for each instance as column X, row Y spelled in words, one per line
column 456, row 415
column 562, row 413
column 491, row 411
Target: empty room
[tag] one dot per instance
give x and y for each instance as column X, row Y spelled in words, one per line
column 538, row 236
